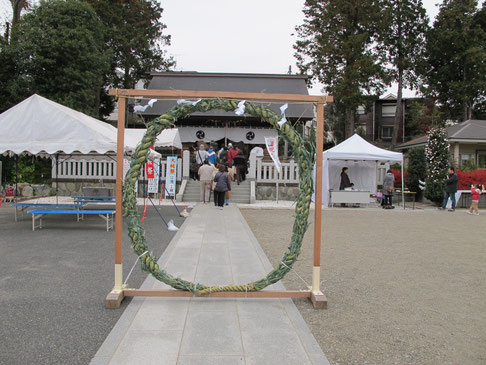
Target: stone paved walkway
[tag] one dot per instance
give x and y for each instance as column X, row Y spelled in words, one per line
column 214, row 247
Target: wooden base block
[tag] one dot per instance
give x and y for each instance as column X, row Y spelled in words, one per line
column 113, row 299
column 319, row 300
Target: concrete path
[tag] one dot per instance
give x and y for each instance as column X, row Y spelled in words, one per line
column 213, row 247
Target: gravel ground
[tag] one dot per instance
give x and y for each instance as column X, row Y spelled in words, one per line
column 403, row 287
column 53, row 283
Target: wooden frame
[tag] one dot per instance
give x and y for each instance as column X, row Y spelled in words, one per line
column 115, row 297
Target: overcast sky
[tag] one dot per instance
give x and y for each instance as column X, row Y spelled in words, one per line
column 254, row 36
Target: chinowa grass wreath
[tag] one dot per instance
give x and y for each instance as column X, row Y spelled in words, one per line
column 303, row 153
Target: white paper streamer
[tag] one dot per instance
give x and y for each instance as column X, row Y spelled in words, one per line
column 171, row 226
column 282, row 121
column 241, row 108
column 182, row 101
column 140, row 108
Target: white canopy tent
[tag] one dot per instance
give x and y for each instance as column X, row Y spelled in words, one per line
column 39, row 126
column 167, row 138
column 362, row 158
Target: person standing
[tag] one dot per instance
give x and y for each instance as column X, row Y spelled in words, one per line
column 388, row 190
column 240, row 163
column 201, row 155
column 227, row 195
column 212, row 156
column 223, row 155
column 222, row 185
column 205, row 173
column 450, row 190
column 476, row 193
column 345, row 183
column 232, row 153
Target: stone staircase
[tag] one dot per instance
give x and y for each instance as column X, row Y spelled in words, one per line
column 240, row 193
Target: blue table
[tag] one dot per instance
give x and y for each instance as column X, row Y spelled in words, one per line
column 107, row 215
column 20, row 207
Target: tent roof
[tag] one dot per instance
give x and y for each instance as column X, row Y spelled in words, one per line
column 168, row 137
column 40, row 126
column 356, row 148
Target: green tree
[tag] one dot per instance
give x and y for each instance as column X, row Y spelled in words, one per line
column 437, row 157
column 416, row 169
column 403, row 40
column 456, row 50
column 336, row 48
column 58, row 52
column 134, row 31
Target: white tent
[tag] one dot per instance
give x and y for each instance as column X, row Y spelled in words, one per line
column 39, row 126
column 167, row 138
column 361, row 157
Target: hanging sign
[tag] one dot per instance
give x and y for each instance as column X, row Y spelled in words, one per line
column 170, row 176
column 153, row 182
column 272, row 148
column 149, row 169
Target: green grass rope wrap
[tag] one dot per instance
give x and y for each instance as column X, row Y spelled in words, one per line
column 303, row 154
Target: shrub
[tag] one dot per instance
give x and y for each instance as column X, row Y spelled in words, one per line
column 416, row 169
column 467, row 178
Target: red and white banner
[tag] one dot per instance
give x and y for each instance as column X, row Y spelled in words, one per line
column 149, row 169
column 272, row 148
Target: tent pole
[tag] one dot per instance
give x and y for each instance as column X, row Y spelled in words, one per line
column 403, row 193
column 16, row 176
column 57, row 178
column 115, row 297
column 317, row 297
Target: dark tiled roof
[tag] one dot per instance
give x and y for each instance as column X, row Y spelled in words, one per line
column 472, row 129
column 255, row 83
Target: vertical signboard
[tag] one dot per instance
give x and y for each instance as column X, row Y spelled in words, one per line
column 153, row 178
column 170, row 176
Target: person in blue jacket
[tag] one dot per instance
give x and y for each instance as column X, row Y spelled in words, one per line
column 212, row 156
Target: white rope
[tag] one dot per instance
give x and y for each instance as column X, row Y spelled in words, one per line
column 130, row 273
column 300, row 277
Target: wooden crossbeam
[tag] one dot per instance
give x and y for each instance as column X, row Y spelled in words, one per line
column 221, row 94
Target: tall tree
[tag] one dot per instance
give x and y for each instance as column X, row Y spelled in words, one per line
column 456, row 53
column 58, row 52
column 17, row 7
column 135, row 33
column 336, row 47
column 403, row 40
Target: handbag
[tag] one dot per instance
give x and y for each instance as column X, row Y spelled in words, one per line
column 391, row 189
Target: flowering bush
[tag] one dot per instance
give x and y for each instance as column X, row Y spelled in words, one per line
column 437, row 158
column 467, row 178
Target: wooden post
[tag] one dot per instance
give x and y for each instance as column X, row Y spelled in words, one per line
column 318, row 298
column 115, row 297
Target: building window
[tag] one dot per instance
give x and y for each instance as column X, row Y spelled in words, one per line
column 386, row 132
column 388, row 110
column 482, row 159
column 466, row 158
column 361, row 110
